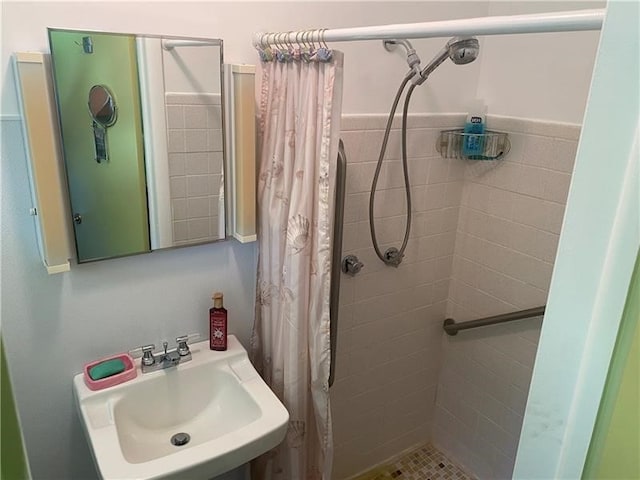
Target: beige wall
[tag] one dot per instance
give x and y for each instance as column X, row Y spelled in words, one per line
column 389, row 340
column 538, row 76
column 508, row 230
column 483, row 242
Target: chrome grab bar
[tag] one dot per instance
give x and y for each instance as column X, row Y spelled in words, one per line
column 336, row 261
column 452, row 328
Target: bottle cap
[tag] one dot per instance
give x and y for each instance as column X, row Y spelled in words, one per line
column 217, row 300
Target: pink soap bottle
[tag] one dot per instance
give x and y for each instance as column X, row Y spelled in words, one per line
column 217, row 324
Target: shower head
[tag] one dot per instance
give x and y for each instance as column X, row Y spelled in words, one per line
column 461, row 50
column 412, row 57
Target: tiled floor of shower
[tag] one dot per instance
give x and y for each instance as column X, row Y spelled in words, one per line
column 422, row 463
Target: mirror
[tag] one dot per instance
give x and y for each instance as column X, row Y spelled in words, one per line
column 103, row 112
column 101, row 105
column 145, row 162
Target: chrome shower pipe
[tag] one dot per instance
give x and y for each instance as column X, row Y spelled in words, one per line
column 412, row 57
column 461, row 50
column 392, row 256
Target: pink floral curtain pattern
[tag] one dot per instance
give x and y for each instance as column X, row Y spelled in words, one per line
column 299, row 124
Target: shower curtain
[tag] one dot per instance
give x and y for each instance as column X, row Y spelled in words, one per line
column 298, row 128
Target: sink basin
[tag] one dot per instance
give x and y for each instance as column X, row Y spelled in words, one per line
column 218, row 399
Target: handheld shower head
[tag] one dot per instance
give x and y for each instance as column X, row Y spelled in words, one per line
column 461, row 50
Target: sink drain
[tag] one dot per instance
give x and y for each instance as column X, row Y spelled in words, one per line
column 180, row 439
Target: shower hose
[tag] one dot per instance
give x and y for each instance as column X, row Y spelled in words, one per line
column 393, row 256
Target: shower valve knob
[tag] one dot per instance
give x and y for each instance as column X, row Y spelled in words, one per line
column 351, row 265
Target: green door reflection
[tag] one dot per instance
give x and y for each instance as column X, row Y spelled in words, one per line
column 108, row 198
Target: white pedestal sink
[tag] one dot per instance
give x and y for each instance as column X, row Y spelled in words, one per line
column 218, row 399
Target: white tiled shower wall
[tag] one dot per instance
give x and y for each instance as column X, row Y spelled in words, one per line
column 389, row 341
column 508, row 230
column 194, row 123
column 483, row 241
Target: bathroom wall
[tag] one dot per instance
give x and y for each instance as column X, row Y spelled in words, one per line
column 507, row 236
column 484, row 237
column 616, row 439
column 389, row 338
column 371, row 73
column 14, row 458
column 598, row 245
column 111, row 306
column 542, row 76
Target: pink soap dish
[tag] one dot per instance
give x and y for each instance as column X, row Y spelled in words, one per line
column 130, row 372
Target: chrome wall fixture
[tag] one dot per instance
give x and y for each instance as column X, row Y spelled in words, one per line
column 493, row 145
column 338, row 222
column 461, row 51
column 351, row 265
column 452, row 328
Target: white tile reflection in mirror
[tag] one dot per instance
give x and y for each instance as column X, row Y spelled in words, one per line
column 196, row 157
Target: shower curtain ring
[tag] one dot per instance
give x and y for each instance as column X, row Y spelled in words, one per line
column 324, row 44
column 282, row 55
column 312, row 34
column 307, row 43
column 276, row 40
column 283, row 41
column 290, row 50
column 294, row 44
column 288, row 40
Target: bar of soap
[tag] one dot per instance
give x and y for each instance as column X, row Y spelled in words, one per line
column 106, row 369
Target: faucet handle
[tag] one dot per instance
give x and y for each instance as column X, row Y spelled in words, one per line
column 182, row 341
column 146, row 352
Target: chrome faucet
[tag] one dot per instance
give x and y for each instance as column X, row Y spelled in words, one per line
column 167, row 358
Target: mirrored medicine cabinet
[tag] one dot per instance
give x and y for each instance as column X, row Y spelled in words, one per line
column 142, row 133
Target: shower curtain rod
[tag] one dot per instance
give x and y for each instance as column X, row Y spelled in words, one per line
column 171, row 44
column 572, row 21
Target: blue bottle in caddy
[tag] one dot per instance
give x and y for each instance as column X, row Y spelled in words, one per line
column 474, row 129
